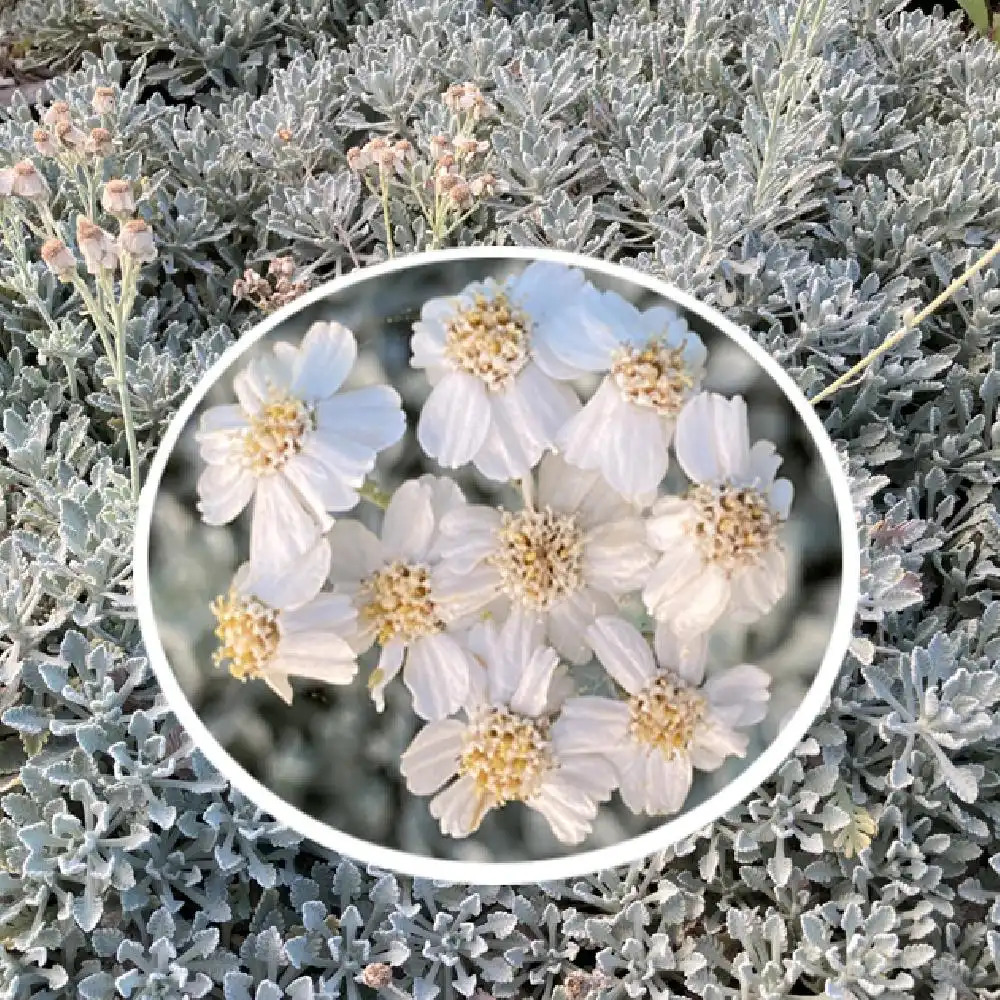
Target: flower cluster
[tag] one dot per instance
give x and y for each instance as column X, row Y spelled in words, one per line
column 485, row 612
column 445, row 178
column 282, row 284
column 77, row 149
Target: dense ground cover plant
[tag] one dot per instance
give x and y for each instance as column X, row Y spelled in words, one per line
column 812, row 176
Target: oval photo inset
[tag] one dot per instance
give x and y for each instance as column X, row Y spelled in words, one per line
column 496, row 565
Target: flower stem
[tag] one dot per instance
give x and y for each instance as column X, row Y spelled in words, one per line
column 372, row 493
column 126, row 294
column 908, row 324
column 384, row 186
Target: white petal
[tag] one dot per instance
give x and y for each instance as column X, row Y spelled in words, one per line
column 635, row 456
column 437, row 675
column 764, row 463
column 466, row 536
column 321, row 487
column 221, row 419
column 326, row 612
column 569, row 620
column 525, row 420
column 698, row 606
column 577, row 338
column 408, row 527
column 532, row 693
column 279, row 684
column 682, row 656
column 282, row 527
column 739, row 695
column 325, row 358
column 389, row 662
column 372, row 416
column 712, row 438
column 337, row 665
column 780, row 497
column 568, row 808
column 674, row 778
column 716, row 740
column 455, row 420
column 588, row 722
column 224, row 490
column 616, row 556
column 356, row 552
column 516, row 642
column 587, row 436
column 459, row 808
column 669, row 521
column 427, row 345
column 623, row 652
column 432, row 758
column 461, row 595
column 295, row 582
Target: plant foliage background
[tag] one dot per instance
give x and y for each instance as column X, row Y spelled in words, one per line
column 814, row 183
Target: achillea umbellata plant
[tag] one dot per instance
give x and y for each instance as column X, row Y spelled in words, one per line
column 868, row 866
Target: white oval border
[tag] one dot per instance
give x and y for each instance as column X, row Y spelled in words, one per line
column 526, row 872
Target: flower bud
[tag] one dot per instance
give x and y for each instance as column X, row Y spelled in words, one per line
column 98, row 246
column 460, row 193
column 28, row 182
column 117, row 199
column 438, row 146
column 358, row 159
column 285, row 134
column 377, row 975
column 56, row 113
column 99, row 142
column 6, row 182
column 44, row 143
column 104, row 100
column 59, row 259
column 484, row 184
column 136, row 239
column 284, row 267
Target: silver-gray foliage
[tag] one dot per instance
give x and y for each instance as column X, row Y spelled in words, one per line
column 814, row 179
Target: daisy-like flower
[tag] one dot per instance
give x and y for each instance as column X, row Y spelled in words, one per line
column 495, row 400
column 654, row 364
column 721, row 552
column 294, row 444
column 671, row 721
column 388, row 580
column 563, row 559
column 509, row 744
column 274, row 626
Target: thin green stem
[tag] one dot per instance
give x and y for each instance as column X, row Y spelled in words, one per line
column 384, row 188
column 126, row 294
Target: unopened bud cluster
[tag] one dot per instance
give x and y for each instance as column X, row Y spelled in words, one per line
column 445, row 178
column 279, row 287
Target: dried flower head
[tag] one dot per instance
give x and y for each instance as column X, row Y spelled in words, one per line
column 136, row 239
column 69, row 136
column 377, row 975
column 104, row 100
column 100, row 252
column 58, row 258
column 466, row 98
column 44, row 143
column 56, row 113
column 28, row 182
column 6, row 182
column 285, row 134
column 117, row 198
column 99, row 143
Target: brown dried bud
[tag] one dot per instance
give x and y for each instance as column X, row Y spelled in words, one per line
column 136, row 239
column 285, row 134
column 358, row 159
column 69, row 135
column 58, row 259
column 99, row 142
column 117, row 199
column 56, row 113
column 467, row 147
column 28, row 182
column 43, row 142
column 460, row 194
column 438, row 146
column 100, row 252
column 483, row 185
column 283, row 266
column 377, row 975
column 104, row 100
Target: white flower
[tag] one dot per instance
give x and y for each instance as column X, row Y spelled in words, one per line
column 274, row 626
column 389, row 581
column 564, row 560
column 293, row 443
column 509, row 747
column 654, row 364
column 671, row 721
column 720, row 544
column 495, row 401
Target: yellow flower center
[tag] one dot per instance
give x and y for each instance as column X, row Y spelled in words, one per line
column 247, row 630
column 539, row 556
column 397, row 600
column 276, row 434
column 733, row 527
column 507, row 755
column 654, row 376
column 665, row 714
column 490, row 339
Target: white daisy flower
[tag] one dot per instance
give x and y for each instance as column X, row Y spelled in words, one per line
column 564, row 559
column 720, row 540
column 388, row 579
column 293, row 443
column 277, row 626
column 654, row 365
column 508, row 746
column 488, row 356
column 671, row 721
